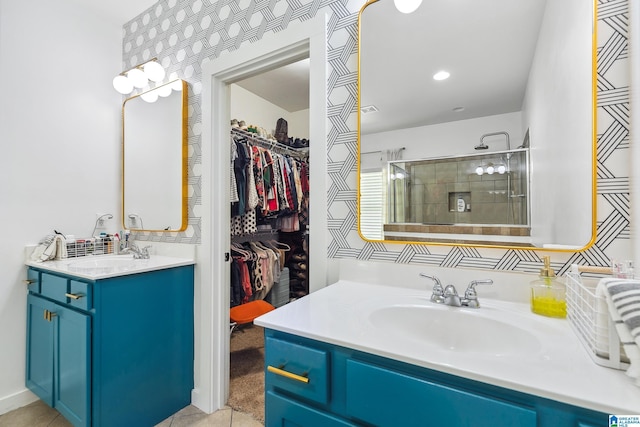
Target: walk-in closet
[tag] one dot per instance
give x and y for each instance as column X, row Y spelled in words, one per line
column 269, row 228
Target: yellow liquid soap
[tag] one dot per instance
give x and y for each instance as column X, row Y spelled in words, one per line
column 548, row 295
column 549, row 306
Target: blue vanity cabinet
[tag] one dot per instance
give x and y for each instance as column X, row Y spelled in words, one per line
column 364, row 389
column 58, row 357
column 111, row 352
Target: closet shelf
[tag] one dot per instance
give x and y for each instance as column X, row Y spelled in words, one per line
column 255, row 237
column 301, row 153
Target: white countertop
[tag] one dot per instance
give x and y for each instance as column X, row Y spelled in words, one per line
column 559, row 368
column 96, row 267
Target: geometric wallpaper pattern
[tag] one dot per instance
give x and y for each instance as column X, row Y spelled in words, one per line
column 185, row 33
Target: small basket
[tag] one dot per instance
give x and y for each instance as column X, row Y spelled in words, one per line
column 589, row 317
column 84, row 247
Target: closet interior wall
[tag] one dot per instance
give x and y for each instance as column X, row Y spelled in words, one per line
column 269, row 220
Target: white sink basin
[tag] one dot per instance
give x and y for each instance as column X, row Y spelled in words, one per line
column 104, row 264
column 455, row 329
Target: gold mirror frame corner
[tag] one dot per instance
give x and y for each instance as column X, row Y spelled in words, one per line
column 184, row 203
column 594, row 153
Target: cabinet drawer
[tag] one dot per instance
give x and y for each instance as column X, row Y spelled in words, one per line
column 309, row 366
column 281, row 411
column 80, row 295
column 33, row 281
column 54, row 287
column 372, row 390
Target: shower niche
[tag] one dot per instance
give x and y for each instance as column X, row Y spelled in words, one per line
column 474, row 194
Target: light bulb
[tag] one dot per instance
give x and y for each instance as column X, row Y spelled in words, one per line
column 502, row 169
column 399, row 175
column 151, row 96
column 490, row 170
column 407, row 6
column 164, row 91
column 122, row 84
column 154, row 71
column 138, row 78
column 479, row 170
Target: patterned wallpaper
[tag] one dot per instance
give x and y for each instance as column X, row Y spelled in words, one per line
column 183, row 33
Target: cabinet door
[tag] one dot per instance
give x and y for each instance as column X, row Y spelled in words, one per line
column 72, row 349
column 39, row 369
column 58, row 358
column 372, row 390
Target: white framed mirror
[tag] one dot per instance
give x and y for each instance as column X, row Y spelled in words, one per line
column 154, row 159
column 521, row 78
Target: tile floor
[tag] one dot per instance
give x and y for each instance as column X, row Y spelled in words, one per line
column 38, row 414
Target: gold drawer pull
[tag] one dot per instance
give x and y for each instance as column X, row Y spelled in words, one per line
column 29, row 281
column 282, row 372
column 73, row 296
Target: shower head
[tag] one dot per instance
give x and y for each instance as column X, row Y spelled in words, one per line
column 481, row 146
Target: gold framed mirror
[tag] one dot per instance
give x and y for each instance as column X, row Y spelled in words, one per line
column 154, row 159
column 502, row 153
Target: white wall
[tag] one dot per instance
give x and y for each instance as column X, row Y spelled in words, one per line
column 60, row 120
column 257, row 111
column 558, row 111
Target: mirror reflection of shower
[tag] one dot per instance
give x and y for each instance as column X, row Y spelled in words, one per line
column 490, row 187
column 514, row 211
column 399, row 192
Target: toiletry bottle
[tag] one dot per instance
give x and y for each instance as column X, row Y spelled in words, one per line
column 548, row 294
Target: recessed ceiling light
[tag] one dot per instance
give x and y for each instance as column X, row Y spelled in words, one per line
column 369, row 109
column 441, row 75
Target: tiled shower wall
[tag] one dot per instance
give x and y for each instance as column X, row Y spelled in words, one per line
column 183, row 33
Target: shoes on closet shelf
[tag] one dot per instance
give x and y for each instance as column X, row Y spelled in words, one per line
column 298, row 257
column 298, row 265
column 297, row 274
column 234, row 123
column 300, row 143
column 243, row 125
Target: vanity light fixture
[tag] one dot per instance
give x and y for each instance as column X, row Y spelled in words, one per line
column 139, row 76
column 441, row 75
column 407, row 6
column 163, row 91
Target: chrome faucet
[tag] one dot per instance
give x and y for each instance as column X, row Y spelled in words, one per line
column 437, row 295
column 449, row 295
column 137, row 252
column 471, row 296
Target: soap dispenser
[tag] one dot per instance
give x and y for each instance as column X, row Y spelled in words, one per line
column 548, row 294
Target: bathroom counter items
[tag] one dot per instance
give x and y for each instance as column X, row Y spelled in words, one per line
column 96, row 267
column 527, row 353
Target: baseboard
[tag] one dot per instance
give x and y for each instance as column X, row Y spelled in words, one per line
column 17, row 400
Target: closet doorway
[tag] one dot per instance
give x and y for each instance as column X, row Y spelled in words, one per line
column 269, row 239
column 299, row 41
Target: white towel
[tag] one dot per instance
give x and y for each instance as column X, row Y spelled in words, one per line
column 623, row 299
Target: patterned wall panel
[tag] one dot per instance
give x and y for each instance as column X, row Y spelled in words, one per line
column 184, row 33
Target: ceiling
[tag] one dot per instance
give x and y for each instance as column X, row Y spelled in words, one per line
column 287, row 87
column 120, row 11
